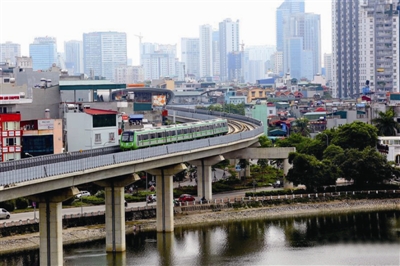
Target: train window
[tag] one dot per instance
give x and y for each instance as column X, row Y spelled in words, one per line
column 125, row 137
column 145, row 137
column 179, row 131
column 153, row 135
column 173, row 133
column 160, row 135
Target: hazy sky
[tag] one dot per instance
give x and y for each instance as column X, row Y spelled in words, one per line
column 163, row 22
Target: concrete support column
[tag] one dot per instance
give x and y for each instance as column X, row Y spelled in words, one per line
column 286, row 167
column 165, row 204
column 50, row 224
column 114, row 189
column 204, row 180
column 50, row 230
column 204, row 175
column 115, row 219
column 164, row 190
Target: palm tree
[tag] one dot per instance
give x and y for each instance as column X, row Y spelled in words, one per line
column 301, row 127
column 386, row 123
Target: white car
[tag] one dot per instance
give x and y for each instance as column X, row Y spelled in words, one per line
column 83, row 193
column 4, row 214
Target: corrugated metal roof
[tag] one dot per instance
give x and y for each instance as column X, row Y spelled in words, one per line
column 99, row 112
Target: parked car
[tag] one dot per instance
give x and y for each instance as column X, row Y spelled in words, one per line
column 4, row 214
column 185, row 198
column 83, row 193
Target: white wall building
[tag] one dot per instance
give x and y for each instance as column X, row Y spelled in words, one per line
column 190, row 55
column 90, row 129
column 229, row 39
column 9, row 51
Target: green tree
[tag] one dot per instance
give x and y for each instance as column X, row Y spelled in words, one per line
column 301, row 126
column 332, row 153
column 365, row 167
column 312, row 173
column 357, row 135
column 265, row 142
column 294, row 140
column 386, row 124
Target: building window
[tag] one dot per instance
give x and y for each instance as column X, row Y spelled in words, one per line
column 111, row 137
column 10, row 141
column 97, row 138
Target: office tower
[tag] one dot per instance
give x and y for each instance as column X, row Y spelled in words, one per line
column 345, row 48
column 74, row 57
column 9, row 51
column 283, row 13
column 379, row 45
column 228, row 42
column 206, row 51
column 215, row 54
column 103, row 52
column 328, row 68
column 292, row 22
column 43, row 51
column 190, row 55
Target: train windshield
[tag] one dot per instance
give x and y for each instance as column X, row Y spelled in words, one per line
column 127, row 137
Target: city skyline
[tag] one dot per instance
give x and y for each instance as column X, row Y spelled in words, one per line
column 185, row 17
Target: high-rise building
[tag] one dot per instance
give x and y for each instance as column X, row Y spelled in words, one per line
column 345, row 48
column 103, row 52
column 216, row 54
column 190, row 55
column 9, row 51
column 74, row 57
column 129, row 74
column 283, row 30
column 206, row 51
column 328, row 68
column 379, row 45
column 277, row 62
column 43, row 51
column 228, row 43
column 158, row 60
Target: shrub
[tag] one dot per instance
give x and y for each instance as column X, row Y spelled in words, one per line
column 100, row 194
column 92, row 200
column 21, row 203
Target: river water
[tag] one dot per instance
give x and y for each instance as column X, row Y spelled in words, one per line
column 367, row 238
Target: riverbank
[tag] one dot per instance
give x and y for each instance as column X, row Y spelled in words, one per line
column 19, row 243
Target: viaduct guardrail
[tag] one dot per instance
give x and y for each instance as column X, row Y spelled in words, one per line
column 15, row 172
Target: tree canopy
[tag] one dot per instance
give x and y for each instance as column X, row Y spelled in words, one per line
column 386, row 124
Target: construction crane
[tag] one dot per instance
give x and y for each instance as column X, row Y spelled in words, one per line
column 242, row 45
column 140, row 36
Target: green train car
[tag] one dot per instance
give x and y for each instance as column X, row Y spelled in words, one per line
column 147, row 137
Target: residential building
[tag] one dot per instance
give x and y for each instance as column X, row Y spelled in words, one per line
column 328, row 68
column 277, row 63
column 129, row 74
column 206, row 51
column 345, row 48
column 103, row 52
column 158, row 60
column 90, row 129
column 9, row 51
column 43, row 52
column 190, row 56
column 74, row 57
column 229, row 39
column 379, row 43
column 235, row 67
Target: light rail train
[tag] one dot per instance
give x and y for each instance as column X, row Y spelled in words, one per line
column 147, row 137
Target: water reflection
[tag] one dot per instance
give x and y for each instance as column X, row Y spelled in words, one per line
column 356, row 238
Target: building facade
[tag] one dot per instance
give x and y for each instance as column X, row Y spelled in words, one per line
column 9, row 51
column 43, row 52
column 74, row 57
column 229, row 39
column 190, row 55
column 206, row 51
column 103, row 52
column 379, row 43
column 345, row 48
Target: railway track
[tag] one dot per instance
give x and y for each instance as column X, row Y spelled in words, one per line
column 238, row 126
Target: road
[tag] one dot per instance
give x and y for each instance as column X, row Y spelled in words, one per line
column 16, row 217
